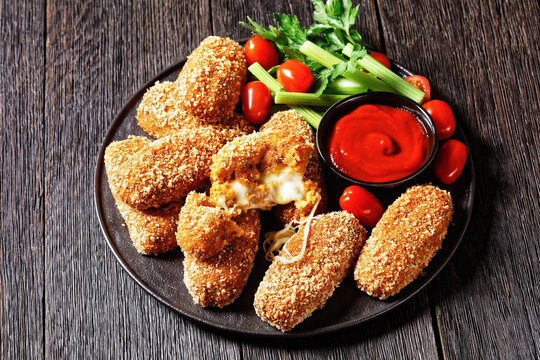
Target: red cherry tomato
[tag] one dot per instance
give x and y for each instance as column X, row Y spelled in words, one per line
column 421, row 83
column 362, row 204
column 450, row 161
column 380, row 57
column 295, row 76
column 442, row 116
column 256, row 101
column 259, row 50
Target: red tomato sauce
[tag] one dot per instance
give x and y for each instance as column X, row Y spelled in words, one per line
column 378, row 143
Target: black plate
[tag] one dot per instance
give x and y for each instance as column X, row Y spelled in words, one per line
column 162, row 276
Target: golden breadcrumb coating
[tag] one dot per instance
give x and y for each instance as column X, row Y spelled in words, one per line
column 294, row 123
column 151, row 231
column 219, row 280
column 290, row 292
column 404, row 241
column 160, row 113
column 169, row 168
column 242, row 158
column 247, row 159
column 203, row 228
column 211, row 81
column 117, row 154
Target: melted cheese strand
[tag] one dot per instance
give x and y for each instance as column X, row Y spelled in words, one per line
column 273, row 241
column 276, row 239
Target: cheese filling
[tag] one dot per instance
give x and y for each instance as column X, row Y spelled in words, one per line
column 275, row 240
column 281, row 188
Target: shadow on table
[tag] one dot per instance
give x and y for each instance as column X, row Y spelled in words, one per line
column 391, row 322
column 477, row 242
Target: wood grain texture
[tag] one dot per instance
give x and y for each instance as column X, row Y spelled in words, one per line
column 98, row 55
column 405, row 333
column 412, row 339
column 21, row 180
column 66, row 69
column 227, row 13
column 482, row 58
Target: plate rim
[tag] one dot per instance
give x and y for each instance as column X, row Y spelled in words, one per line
column 216, row 326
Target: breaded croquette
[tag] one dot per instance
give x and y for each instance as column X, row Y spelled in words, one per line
column 293, row 122
column 263, row 169
column 117, row 154
column 219, row 280
column 211, row 81
column 404, row 241
column 152, row 231
column 204, row 229
column 169, row 168
column 161, row 113
column 291, row 291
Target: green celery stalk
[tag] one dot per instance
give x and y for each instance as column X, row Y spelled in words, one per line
column 345, row 86
column 263, row 76
column 326, row 58
column 312, row 117
column 320, row 55
column 295, row 98
column 369, row 63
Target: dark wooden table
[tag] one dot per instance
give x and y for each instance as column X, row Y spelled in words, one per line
column 66, row 69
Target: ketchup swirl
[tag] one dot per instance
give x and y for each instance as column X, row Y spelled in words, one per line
column 378, row 143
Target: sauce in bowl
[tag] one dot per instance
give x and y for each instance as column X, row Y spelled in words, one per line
column 378, row 143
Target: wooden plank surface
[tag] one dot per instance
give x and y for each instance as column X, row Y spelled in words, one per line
column 482, row 58
column 21, row 180
column 66, row 69
column 98, row 55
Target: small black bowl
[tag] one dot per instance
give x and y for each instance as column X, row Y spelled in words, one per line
column 345, row 106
